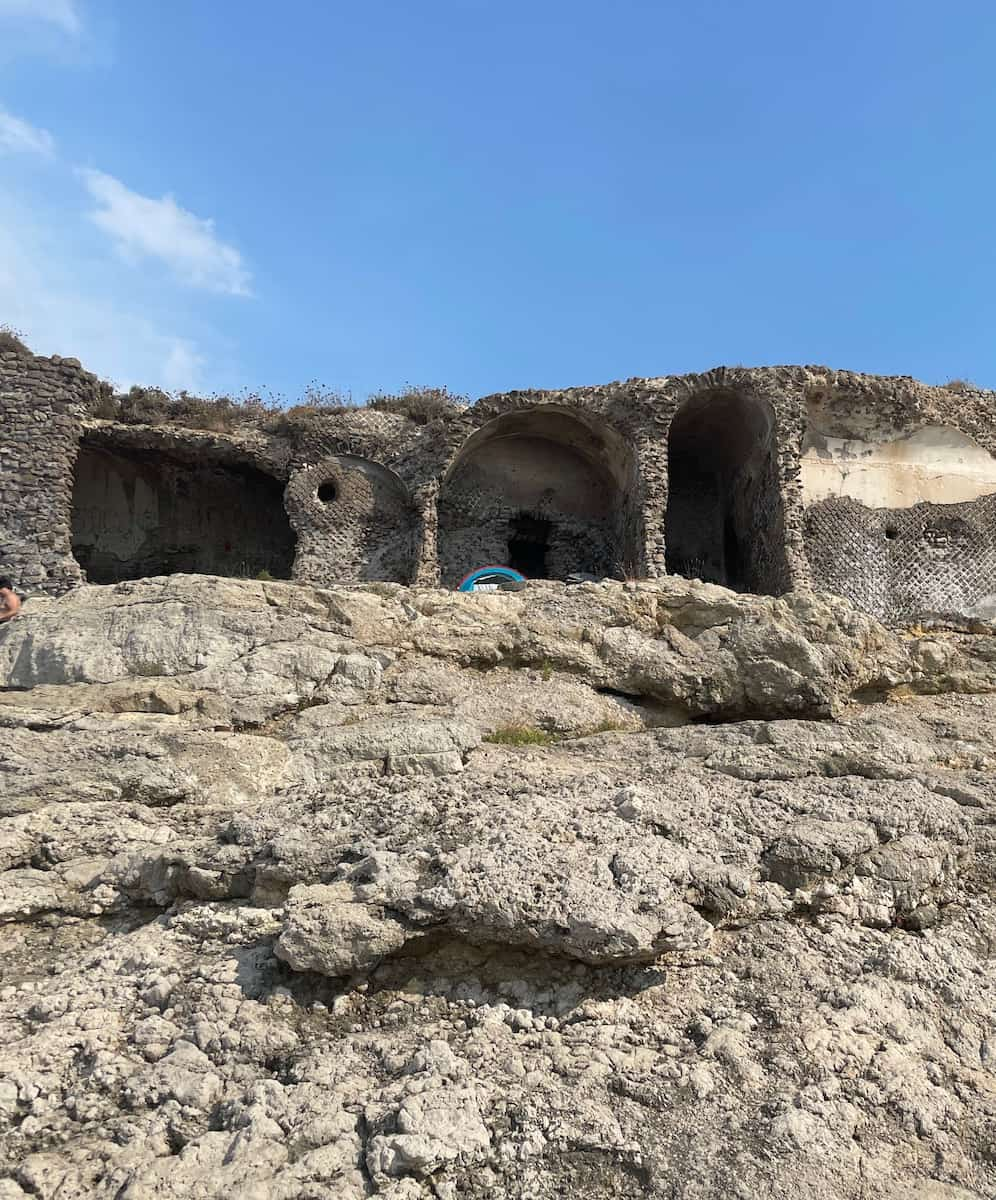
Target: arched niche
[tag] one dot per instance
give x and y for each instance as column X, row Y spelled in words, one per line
column 142, row 512
column 355, row 522
column 724, row 521
column 545, row 490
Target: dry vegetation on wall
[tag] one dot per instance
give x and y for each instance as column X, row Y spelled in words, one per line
column 12, row 339
column 225, row 414
column 153, row 406
column 418, row 404
column 251, row 410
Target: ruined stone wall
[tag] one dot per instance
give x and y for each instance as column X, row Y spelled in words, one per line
column 42, row 401
column 355, row 521
column 356, row 499
column 899, row 488
column 879, row 489
column 728, row 481
column 566, row 458
column 393, row 482
column 902, row 564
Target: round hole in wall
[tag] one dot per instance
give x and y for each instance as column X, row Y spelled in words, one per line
column 327, row 492
column 891, row 533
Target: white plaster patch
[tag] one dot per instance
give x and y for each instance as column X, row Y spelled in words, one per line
column 936, row 464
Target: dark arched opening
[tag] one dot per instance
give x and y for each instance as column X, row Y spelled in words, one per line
column 543, row 490
column 143, row 512
column 528, row 543
column 724, row 513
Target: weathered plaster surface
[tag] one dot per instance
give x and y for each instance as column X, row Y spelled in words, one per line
column 936, row 464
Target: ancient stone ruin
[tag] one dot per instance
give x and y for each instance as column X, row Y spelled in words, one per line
column 765, row 480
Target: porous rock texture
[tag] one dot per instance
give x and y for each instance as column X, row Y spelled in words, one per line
column 286, row 911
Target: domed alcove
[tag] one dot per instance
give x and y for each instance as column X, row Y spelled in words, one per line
column 544, row 490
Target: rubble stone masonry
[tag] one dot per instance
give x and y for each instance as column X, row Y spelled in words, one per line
column 763, row 479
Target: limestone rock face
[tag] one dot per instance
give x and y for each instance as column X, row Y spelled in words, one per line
column 261, row 649
column 602, row 891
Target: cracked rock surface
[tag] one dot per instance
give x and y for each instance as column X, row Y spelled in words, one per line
column 279, row 918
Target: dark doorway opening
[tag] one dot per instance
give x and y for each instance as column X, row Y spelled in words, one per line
column 724, row 520
column 733, row 556
column 528, row 542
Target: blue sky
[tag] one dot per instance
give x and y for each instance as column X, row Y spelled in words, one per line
column 488, row 195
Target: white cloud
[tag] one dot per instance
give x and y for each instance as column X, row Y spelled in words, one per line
column 62, row 305
column 145, row 228
column 182, row 368
column 18, row 136
column 63, row 14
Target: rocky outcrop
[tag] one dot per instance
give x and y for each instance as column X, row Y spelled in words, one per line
column 607, row 891
column 244, row 652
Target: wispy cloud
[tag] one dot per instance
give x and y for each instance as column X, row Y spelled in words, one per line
column 67, row 295
column 63, row 14
column 18, row 137
column 64, row 302
column 183, row 366
column 142, row 227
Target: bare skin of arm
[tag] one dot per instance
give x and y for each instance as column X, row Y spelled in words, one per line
column 10, row 605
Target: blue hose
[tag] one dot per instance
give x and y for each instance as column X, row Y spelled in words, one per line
column 489, row 575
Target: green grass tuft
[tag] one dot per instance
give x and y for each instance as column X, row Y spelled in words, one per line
column 608, row 727
column 521, row 735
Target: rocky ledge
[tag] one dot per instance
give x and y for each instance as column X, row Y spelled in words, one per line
column 603, row 891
